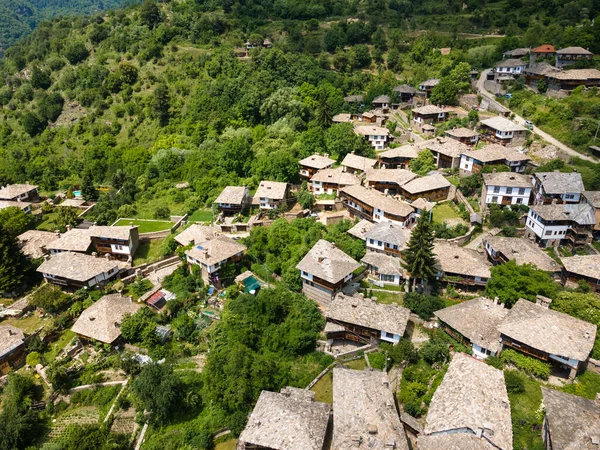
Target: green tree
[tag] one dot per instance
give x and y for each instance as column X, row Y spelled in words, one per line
column 88, row 190
column 161, row 104
column 19, row 426
column 419, row 257
column 158, row 390
column 306, row 199
column 76, row 52
column 50, row 106
column 50, row 299
column 340, row 140
column 150, row 14
column 444, row 93
column 423, row 163
column 66, row 216
column 32, row 123
column 40, row 79
column 14, row 221
column 162, row 212
column 379, row 39
column 13, row 265
column 423, row 305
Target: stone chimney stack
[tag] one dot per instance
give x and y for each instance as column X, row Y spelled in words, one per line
column 543, row 301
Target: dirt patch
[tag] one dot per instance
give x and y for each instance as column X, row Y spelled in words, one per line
column 72, row 112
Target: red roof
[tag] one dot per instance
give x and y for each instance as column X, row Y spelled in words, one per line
column 546, row 48
column 157, row 300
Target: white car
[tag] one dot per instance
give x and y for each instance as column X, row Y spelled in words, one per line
column 529, row 124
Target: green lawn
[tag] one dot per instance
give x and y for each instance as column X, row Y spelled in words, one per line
column 57, row 346
column 27, row 324
column 444, row 212
column 147, row 226
column 201, row 215
column 324, row 388
column 227, row 445
column 149, row 252
column 48, row 222
column 357, row 364
column 389, row 297
column 526, row 423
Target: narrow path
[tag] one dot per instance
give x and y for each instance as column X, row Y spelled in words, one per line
column 520, row 120
column 106, row 383
column 112, row 407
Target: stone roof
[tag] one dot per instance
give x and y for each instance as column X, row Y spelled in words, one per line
column 74, row 240
column 405, row 89
column 122, row 233
column 33, row 242
column 593, row 198
column 545, row 48
column 317, row 162
column 422, row 204
column 560, row 182
column 580, row 213
column 11, row 191
column 576, row 75
column 11, row 338
column 573, row 51
column 542, row 68
column 12, row 204
column 390, row 233
column 368, row 130
column 102, row 320
column 511, row 62
column 398, row 176
column 382, row 99
column 386, row 264
column 426, row 184
column 445, row 146
column 342, row 118
column 573, row 421
column 273, row 190
column 517, row 52
column 76, row 266
column 233, row 195
column 455, row 441
column 496, row 152
column 472, row 397
column 354, row 98
column 327, row 262
column 364, row 412
column 502, row 124
column 549, row 331
column 523, row 251
column 587, row 266
column 73, row 203
column 196, row 234
column 361, row 228
column 509, row 179
column 462, row 132
column 215, row 250
column 378, row 200
column 368, row 313
column 460, row 260
column 428, row 109
column 430, row 82
column 335, row 176
column 290, row 420
column 477, row 320
column 406, row 151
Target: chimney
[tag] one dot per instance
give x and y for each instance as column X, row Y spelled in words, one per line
column 543, row 301
column 57, row 233
column 94, row 254
column 597, row 400
column 107, row 256
column 27, row 182
column 68, row 227
column 496, row 300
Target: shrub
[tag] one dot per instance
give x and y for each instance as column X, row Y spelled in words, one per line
column 527, row 364
column 33, row 359
column 377, row 360
column 514, row 382
column 495, row 361
column 423, row 305
column 435, row 351
column 162, row 212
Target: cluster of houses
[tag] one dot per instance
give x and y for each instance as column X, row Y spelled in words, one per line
column 548, row 64
column 18, row 195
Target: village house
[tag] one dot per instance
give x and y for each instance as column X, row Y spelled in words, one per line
column 312, row 164
column 33, row 243
column 500, row 130
column 582, row 268
column 553, row 224
column 382, row 102
column 399, row 157
column 570, row 55
column 475, row 324
column 592, row 198
column 571, row 422
column 505, row 188
column 378, row 137
column 427, row 115
column 363, row 320
column 364, row 412
column 387, row 237
column 427, row 85
column 361, row 228
column 233, row 200
column 404, row 94
column 196, row 234
column 325, row 270
column 373, row 205
column 120, row 242
column 568, row 80
column 357, row 164
column 422, row 206
column 509, row 67
column 330, row 181
column 502, row 249
column 385, row 268
column 73, row 203
column 12, row 348
column 344, row 118
column 271, row 194
column 462, row 266
column 213, row 254
column 76, row 270
column 368, row 117
column 469, row 410
column 557, row 187
column 19, row 193
column 73, row 240
column 290, row 420
column 431, row 187
column 445, row 151
column 23, row 206
column 560, row 339
column 543, row 51
column 102, row 320
column 493, row 154
column 538, row 72
column 354, row 99
column 463, row 135
column 389, row 181
column 516, row 53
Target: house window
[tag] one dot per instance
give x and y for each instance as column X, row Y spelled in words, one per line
column 388, row 335
column 496, row 189
column 548, row 233
column 389, row 278
column 371, row 241
column 521, row 191
column 509, row 190
column 569, row 196
column 494, row 199
column 519, row 201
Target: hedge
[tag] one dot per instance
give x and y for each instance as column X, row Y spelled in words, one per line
column 527, row 364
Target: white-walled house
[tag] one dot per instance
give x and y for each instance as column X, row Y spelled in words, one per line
column 271, row 194
column 551, row 224
column 558, row 187
column 213, row 254
column 374, row 206
column 378, row 137
column 505, row 188
column 473, row 161
column 514, row 67
column 385, row 268
column 500, row 130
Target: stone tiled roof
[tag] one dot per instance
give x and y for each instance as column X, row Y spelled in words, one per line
column 455, row 441
column 573, row 51
column 398, row 176
column 353, row 98
column 459, row 260
column 430, row 82
column 502, row 124
column 215, row 250
column 509, row 179
column 378, row 200
column 390, row 233
column 196, row 234
column 549, row 331
column 11, row 338
column 367, row 130
column 122, row 233
column 290, row 420
column 342, row 118
column 233, row 195
column 11, row 191
column 12, row 204
column 523, row 251
column 405, row 89
column 102, row 320
column 317, row 162
column 518, row 52
column 426, row 184
column 364, row 412
column 406, row 151
column 335, row 176
column 497, row 152
column 429, row 109
column 273, row 190
column 361, row 228
column 445, row 146
column 593, row 198
column 574, row 421
column 472, row 397
column 560, row 183
column 580, row 213
column 76, row 266
column 576, row 75
column 477, row 320
column 588, row 265
column 386, row 264
column 75, row 240
column 511, row 62
column 358, row 162
column 327, row 262
column 368, row 314
column 542, row 68
column 33, row 242
column 73, row 203
column 422, row 204
column 382, row 99
column 462, row 132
